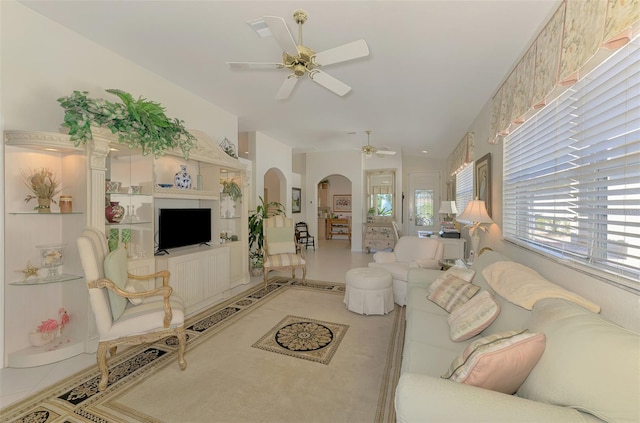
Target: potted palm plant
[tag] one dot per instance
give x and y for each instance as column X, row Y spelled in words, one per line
column 256, row 237
column 139, row 123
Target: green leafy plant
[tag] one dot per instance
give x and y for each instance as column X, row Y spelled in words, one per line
column 384, row 211
column 139, row 123
column 256, row 221
column 232, row 189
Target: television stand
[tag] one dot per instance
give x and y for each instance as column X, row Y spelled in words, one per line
column 199, row 275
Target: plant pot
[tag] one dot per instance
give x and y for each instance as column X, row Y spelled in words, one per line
column 44, row 205
column 256, row 271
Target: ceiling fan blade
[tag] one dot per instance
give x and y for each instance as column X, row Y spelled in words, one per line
column 287, row 86
column 254, row 65
column 281, row 33
column 329, row 82
column 343, row 53
column 386, row 152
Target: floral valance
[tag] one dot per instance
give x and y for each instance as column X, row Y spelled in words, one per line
column 579, row 36
column 462, row 155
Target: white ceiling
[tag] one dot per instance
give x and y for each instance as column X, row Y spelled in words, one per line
column 432, row 65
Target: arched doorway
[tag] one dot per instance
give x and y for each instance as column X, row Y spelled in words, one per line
column 275, row 187
column 334, row 199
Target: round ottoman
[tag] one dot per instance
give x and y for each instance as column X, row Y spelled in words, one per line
column 368, row 291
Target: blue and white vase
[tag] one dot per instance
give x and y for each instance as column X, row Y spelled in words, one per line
column 183, row 179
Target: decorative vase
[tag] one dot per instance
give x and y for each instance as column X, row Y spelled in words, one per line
column 51, row 257
column 114, row 212
column 183, row 179
column 44, row 205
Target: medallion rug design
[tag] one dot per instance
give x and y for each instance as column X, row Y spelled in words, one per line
column 232, row 378
column 305, row 338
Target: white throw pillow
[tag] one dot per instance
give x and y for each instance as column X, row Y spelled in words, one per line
column 135, row 286
column 473, row 317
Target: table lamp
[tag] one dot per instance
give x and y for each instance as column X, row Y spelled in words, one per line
column 448, row 208
column 476, row 213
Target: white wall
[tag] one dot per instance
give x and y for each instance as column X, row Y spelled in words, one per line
column 272, row 154
column 42, row 61
column 617, row 305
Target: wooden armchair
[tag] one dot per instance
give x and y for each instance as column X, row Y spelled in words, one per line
column 280, row 252
column 156, row 313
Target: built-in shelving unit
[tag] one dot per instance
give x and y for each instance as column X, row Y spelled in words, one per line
column 83, row 173
column 36, row 299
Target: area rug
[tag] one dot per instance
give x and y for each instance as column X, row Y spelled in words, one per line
column 235, row 371
column 304, row 338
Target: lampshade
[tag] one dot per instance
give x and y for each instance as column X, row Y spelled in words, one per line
column 475, row 212
column 448, row 207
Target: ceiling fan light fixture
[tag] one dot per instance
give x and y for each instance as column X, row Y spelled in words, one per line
column 299, row 58
column 299, row 69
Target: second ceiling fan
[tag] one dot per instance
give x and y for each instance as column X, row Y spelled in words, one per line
column 368, row 150
column 299, row 59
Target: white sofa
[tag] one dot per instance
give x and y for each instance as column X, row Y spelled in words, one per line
column 588, row 372
column 409, row 252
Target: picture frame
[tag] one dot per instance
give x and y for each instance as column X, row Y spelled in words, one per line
column 296, row 200
column 342, row 203
column 482, row 180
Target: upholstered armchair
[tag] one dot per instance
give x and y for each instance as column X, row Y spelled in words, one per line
column 126, row 313
column 280, row 252
column 410, row 251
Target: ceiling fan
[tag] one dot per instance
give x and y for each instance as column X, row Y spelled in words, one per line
column 368, row 150
column 299, row 59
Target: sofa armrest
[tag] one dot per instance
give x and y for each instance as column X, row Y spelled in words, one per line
column 423, row 398
column 384, row 257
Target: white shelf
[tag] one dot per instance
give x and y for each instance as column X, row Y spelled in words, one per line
column 43, row 214
column 61, row 348
column 45, row 281
column 185, row 194
column 128, row 223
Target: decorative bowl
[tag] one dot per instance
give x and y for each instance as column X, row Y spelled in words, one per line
column 165, row 185
column 113, row 186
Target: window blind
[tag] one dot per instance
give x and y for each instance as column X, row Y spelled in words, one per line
column 464, row 187
column 571, row 184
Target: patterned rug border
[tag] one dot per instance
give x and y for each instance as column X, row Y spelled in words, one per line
column 322, row 355
column 68, row 399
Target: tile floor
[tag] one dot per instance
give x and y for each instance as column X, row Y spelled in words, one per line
column 329, row 262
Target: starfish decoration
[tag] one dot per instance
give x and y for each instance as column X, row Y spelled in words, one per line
column 30, row 270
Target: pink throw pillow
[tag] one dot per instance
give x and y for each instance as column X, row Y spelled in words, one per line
column 500, row 362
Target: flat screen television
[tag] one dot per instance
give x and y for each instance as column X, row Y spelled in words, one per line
column 182, row 227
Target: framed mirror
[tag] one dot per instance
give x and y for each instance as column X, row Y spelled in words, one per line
column 381, row 185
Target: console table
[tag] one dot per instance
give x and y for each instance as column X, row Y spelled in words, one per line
column 378, row 236
column 339, row 227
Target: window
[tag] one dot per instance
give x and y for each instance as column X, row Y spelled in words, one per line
column 464, row 187
column 380, row 190
column 572, row 174
column 423, row 207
